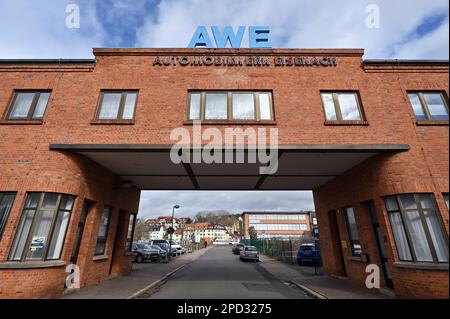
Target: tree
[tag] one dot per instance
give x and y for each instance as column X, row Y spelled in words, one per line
column 252, row 232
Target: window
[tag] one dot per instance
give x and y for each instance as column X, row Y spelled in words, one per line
column 42, row 228
column 429, row 106
column 130, row 232
column 445, row 195
column 342, row 106
column 352, row 229
column 28, row 105
column 103, row 230
column 233, row 106
column 117, row 105
column 417, row 228
column 6, row 202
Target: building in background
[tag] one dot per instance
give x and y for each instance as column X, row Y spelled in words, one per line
column 157, row 232
column 278, row 224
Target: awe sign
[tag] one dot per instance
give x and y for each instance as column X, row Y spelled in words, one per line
column 258, row 37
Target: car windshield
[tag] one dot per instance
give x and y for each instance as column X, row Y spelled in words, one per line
column 250, row 248
column 142, row 246
column 306, row 247
column 155, row 247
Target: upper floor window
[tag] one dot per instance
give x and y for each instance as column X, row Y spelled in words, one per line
column 429, row 106
column 342, row 106
column 417, row 228
column 6, row 202
column 28, row 105
column 352, row 229
column 42, row 227
column 117, row 105
column 237, row 105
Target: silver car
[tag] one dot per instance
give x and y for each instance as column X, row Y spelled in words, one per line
column 249, row 253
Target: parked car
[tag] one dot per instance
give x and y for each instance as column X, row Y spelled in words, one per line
column 249, row 253
column 162, row 253
column 164, row 244
column 309, row 253
column 179, row 249
column 145, row 252
column 237, row 248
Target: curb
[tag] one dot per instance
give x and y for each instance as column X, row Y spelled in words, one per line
column 309, row 291
column 155, row 283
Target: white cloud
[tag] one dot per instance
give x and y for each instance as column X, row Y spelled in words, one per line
column 304, row 24
column 36, row 29
column 158, row 203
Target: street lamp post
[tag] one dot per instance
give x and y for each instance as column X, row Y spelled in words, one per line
column 170, row 240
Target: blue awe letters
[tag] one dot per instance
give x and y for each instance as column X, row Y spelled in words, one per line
column 258, row 37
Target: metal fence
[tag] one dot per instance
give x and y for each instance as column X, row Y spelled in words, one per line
column 190, row 246
column 283, row 249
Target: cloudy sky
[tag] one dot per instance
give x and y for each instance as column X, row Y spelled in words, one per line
column 408, row 29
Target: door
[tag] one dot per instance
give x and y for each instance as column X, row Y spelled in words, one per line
column 80, row 230
column 336, row 240
column 117, row 237
column 379, row 240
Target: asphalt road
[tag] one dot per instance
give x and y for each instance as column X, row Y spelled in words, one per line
column 218, row 274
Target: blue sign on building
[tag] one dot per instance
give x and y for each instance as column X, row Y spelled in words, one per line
column 258, row 37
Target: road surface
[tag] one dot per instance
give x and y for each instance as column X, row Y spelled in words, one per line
column 218, row 274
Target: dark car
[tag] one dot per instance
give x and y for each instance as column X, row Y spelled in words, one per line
column 164, row 244
column 162, row 253
column 145, row 252
column 249, row 253
column 309, row 253
column 237, row 248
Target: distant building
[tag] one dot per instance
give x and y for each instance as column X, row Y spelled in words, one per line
column 278, row 224
column 210, row 232
column 156, row 232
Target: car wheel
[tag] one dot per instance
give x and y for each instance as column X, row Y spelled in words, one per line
column 299, row 262
column 139, row 259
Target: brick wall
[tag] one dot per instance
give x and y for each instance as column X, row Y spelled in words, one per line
column 27, row 164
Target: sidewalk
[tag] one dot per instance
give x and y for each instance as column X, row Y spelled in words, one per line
column 141, row 277
column 319, row 286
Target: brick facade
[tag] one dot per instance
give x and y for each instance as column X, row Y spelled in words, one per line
column 27, row 164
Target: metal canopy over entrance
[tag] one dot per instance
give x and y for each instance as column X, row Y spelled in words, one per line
column 300, row 167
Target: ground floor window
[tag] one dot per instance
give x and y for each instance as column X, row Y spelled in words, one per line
column 353, row 235
column 417, row 228
column 446, row 199
column 130, row 232
column 6, row 202
column 42, row 227
column 103, row 230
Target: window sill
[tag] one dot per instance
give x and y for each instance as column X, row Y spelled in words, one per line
column 21, row 122
column 347, row 123
column 432, row 123
column 112, row 122
column 357, row 258
column 100, row 257
column 231, row 122
column 421, row 265
column 32, row 264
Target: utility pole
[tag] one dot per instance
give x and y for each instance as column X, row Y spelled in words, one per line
column 171, row 230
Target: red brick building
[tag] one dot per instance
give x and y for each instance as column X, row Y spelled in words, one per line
column 81, row 138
